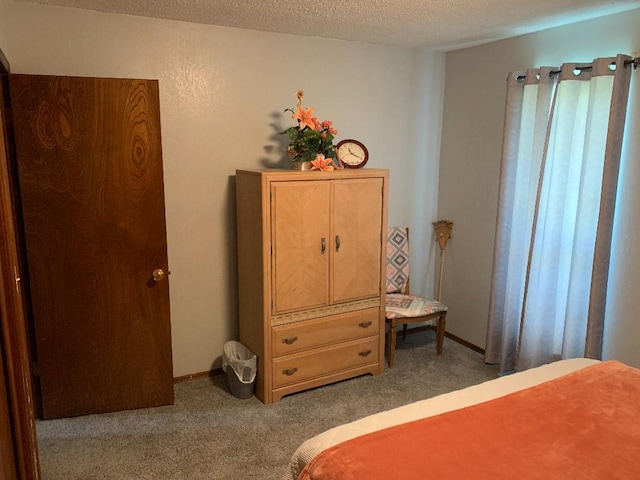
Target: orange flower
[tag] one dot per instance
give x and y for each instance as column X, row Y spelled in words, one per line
column 321, row 163
column 310, row 136
column 304, row 117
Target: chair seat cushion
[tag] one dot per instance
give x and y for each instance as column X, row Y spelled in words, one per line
column 403, row 306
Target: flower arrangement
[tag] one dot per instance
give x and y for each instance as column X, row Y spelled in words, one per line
column 311, row 140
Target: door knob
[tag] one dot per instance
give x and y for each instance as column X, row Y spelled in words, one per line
column 158, row 274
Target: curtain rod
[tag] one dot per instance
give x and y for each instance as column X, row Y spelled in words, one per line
column 635, row 62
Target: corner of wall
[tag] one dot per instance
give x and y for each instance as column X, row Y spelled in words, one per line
column 427, row 108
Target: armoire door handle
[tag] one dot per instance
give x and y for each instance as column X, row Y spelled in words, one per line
column 337, row 243
column 323, row 245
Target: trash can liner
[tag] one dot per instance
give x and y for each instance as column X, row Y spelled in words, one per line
column 242, row 360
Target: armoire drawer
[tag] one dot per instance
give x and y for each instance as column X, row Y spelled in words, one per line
column 325, row 331
column 305, row 366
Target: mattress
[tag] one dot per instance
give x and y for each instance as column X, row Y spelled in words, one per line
column 429, row 407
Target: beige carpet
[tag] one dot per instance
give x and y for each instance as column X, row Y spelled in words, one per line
column 210, row 434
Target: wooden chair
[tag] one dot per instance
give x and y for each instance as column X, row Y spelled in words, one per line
column 402, row 307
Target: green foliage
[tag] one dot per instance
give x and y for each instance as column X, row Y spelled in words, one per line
column 314, row 138
column 306, row 144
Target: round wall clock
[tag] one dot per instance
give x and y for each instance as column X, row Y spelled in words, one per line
column 352, row 153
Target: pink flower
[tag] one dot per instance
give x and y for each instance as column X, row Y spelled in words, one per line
column 333, row 131
column 321, row 163
column 327, row 124
column 304, row 117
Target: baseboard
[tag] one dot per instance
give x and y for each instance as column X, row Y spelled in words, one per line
column 451, row 336
column 464, row 342
column 195, row 376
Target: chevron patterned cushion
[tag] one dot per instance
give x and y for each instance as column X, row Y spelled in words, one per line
column 397, row 259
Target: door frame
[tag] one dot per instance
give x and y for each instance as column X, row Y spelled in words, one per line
column 13, row 326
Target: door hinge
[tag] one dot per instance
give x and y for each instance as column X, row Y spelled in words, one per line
column 17, row 278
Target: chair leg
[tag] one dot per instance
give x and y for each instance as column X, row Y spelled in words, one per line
column 442, row 320
column 392, row 343
column 404, row 331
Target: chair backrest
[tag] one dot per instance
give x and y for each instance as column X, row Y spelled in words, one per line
column 397, row 259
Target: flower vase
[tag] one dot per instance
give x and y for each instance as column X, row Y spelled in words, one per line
column 302, row 166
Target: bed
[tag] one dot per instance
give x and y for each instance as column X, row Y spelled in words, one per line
column 590, row 429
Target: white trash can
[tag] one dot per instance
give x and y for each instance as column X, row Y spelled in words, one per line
column 240, row 365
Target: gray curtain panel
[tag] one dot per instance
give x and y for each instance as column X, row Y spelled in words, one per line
column 560, row 161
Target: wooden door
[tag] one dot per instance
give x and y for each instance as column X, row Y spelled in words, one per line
column 300, row 245
column 8, row 469
column 355, row 266
column 18, row 441
column 90, row 171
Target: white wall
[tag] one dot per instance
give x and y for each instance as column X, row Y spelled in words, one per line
column 470, row 163
column 421, row 210
column 222, row 93
column 2, row 27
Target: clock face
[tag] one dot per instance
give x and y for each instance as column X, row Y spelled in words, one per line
column 352, row 153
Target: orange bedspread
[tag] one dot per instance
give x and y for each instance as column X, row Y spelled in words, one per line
column 585, row 425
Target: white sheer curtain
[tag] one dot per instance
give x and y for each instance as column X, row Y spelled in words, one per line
column 558, row 181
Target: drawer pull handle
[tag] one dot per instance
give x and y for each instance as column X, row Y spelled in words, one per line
column 290, row 371
column 365, row 324
column 365, row 353
column 289, row 341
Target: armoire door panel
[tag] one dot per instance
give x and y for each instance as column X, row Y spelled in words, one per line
column 355, row 271
column 300, row 245
column 90, row 170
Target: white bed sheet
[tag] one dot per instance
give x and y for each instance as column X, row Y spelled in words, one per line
column 432, row 406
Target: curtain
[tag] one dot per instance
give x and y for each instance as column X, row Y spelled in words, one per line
column 559, row 172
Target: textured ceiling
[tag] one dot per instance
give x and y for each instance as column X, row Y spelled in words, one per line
column 435, row 24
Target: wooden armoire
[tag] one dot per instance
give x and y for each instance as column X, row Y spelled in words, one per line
column 311, row 257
